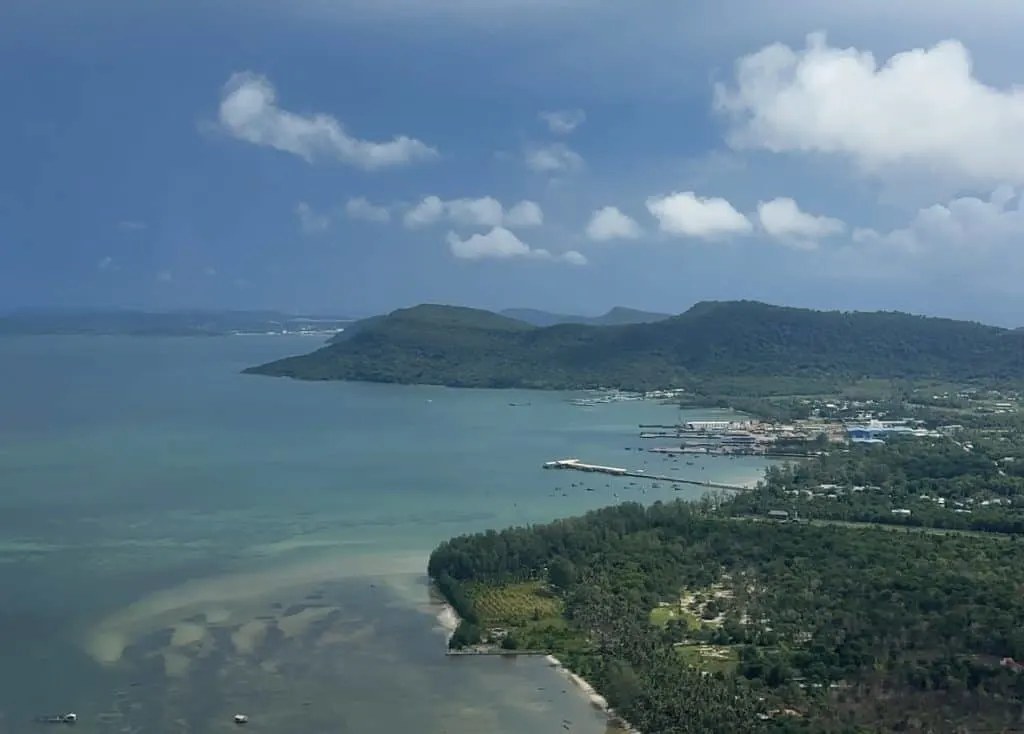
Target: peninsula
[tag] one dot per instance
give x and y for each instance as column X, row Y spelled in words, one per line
column 688, row 618
column 712, row 341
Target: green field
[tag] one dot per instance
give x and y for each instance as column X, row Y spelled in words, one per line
column 661, row 616
column 712, row 658
column 514, row 604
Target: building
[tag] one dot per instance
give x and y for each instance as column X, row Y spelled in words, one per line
column 876, row 431
column 707, row 425
column 778, row 514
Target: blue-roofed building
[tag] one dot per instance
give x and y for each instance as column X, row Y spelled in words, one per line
column 876, row 431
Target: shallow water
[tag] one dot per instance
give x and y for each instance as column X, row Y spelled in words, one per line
column 179, row 542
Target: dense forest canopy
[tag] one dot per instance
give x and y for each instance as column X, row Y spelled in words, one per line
column 465, row 347
column 814, row 628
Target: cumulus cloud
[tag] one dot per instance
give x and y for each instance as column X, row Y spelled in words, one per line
column 783, row 220
column 249, row 112
column 309, row 221
column 524, row 214
column 430, row 210
column 361, row 208
column 922, row 108
column 967, row 225
column 563, row 122
column 688, row 215
column 483, row 212
column 555, row 158
column 609, row 223
column 105, row 263
column 503, row 244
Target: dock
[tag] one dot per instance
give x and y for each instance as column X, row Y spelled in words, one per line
column 577, row 465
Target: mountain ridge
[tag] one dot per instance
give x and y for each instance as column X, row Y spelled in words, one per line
column 615, row 316
column 462, row 347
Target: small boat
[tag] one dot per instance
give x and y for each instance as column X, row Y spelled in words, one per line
column 241, row 719
column 69, row 718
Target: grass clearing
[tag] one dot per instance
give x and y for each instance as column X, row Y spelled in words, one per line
column 514, row 604
column 660, row 616
column 712, row 658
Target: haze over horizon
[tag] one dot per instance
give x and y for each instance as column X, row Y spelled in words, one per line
column 348, row 156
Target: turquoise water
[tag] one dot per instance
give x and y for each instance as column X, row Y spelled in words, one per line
column 179, row 542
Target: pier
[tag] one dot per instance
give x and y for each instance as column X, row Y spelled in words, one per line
column 577, row 465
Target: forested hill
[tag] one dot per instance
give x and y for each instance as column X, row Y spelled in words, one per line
column 615, row 317
column 464, row 347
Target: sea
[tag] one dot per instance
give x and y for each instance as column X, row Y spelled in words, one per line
column 180, row 543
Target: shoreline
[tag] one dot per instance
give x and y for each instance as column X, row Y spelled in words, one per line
column 595, row 698
column 448, row 620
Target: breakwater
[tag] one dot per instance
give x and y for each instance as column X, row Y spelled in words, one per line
column 577, row 465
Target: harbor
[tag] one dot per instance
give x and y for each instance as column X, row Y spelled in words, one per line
column 577, row 465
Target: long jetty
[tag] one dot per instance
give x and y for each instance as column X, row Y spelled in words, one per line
column 577, row 465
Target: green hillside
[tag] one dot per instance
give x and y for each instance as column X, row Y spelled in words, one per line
column 465, row 347
column 615, row 317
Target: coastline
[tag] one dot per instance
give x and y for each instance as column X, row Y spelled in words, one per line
column 448, row 620
column 598, row 701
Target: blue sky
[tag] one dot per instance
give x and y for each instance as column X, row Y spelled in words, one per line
column 354, row 156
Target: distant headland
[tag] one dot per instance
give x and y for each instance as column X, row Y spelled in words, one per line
column 126, row 322
column 712, row 341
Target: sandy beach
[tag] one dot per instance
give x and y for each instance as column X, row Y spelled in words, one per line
column 448, row 620
column 591, row 693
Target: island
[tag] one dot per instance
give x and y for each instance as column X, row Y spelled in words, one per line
column 740, row 348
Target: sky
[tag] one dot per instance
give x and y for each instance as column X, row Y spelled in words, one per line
column 355, row 156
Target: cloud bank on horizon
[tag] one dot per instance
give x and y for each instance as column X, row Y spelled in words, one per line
column 784, row 163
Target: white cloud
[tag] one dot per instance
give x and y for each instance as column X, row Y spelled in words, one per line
column 783, row 220
column 524, row 214
column 689, row 215
column 503, row 244
column 563, row 122
column 309, row 221
column 361, row 208
column 922, row 108
column 105, row 263
column 428, row 211
column 967, row 225
column 573, row 257
column 553, row 158
column 249, row 112
column 483, row 212
column 164, row 276
column 131, row 225
column 608, row 223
